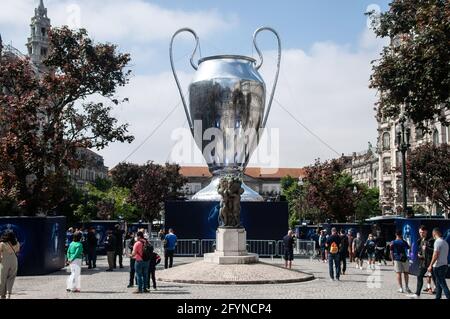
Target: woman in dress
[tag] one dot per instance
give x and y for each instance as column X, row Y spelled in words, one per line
column 9, row 250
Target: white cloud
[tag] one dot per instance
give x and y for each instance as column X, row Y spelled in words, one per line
column 132, row 21
column 325, row 88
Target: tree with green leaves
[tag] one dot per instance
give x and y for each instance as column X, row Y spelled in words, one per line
column 45, row 119
column 105, row 202
column 429, row 173
column 414, row 71
column 367, row 202
column 299, row 207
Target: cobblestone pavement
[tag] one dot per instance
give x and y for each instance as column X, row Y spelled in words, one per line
column 98, row 284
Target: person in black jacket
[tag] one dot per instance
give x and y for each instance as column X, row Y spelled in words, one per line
column 91, row 242
column 380, row 249
column 425, row 248
column 118, row 234
column 110, row 246
column 132, row 238
column 155, row 259
column 343, row 251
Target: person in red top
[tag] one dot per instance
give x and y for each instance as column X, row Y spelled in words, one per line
column 141, row 266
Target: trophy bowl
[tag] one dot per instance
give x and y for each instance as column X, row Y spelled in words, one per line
column 226, row 112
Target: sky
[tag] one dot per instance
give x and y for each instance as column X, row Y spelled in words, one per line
column 323, row 106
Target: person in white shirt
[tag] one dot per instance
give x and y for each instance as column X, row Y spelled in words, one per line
column 439, row 264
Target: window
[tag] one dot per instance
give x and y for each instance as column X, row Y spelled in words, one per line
column 436, row 137
column 444, row 134
column 386, row 165
column 386, row 141
column 419, row 134
column 43, row 32
column 44, row 52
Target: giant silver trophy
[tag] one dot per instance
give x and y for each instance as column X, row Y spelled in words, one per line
column 226, row 112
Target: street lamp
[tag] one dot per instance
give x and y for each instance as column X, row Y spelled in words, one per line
column 355, row 192
column 403, row 145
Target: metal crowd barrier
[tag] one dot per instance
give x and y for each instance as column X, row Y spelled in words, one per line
column 208, row 246
column 264, row 248
column 303, row 248
column 188, row 247
column 157, row 245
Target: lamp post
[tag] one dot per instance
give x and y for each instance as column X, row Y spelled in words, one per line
column 355, row 192
column 403, row 145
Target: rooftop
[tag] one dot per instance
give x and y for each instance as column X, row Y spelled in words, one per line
column 255, row 172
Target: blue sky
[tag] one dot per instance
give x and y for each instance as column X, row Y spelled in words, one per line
column 327, row 50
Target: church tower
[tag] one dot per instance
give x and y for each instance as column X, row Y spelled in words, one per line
column 38, row 43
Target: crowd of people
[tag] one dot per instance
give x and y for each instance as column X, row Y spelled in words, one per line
column 82, row 246
column 432, row 255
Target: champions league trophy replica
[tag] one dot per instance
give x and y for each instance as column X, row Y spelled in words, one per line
column 227, row 101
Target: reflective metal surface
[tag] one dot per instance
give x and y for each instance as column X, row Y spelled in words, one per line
column 226, row 112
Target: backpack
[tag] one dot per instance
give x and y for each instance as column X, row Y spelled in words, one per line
column 370, row 246
column 334, row 248
column 147, row 251
column 158, row 259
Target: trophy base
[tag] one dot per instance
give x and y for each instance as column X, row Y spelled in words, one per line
column 210, row 194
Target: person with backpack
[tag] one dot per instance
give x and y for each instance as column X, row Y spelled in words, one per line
column 142, row 254
column 155, row 259
column 369, row 248
column 399, row 257
column 343, row 251
column 333, row 245
column 358, row 247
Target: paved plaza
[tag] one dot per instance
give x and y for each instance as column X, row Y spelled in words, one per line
column 98, row 284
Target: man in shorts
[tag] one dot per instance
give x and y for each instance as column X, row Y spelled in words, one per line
column 399, row 256
column 288, row 244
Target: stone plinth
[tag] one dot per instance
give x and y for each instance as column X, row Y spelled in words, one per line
column 231, row 248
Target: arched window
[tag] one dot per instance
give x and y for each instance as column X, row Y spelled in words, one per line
column 386, row 141
column 436, row 137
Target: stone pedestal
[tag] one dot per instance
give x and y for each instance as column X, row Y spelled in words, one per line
column 231, row 248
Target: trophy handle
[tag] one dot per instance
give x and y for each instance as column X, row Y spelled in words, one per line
column 258, row 66
column 191, row 125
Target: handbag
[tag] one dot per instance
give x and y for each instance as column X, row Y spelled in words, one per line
column 15, row 253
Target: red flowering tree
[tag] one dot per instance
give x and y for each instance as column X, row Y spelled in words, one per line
column 157, row 184
column 45, row 118
column 330, row 190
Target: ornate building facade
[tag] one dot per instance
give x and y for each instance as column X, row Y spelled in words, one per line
column 364, row 167
column 390, row 161
column 38, row 48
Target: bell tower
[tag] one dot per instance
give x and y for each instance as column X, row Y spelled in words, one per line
column 38, row 43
